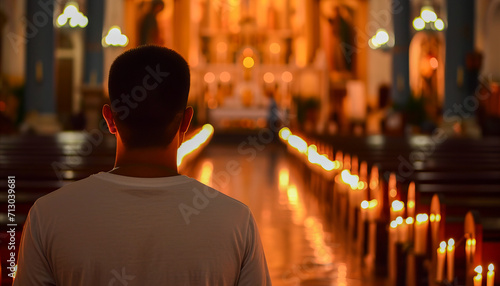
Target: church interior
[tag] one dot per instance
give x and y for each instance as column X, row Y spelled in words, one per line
column 366, row 132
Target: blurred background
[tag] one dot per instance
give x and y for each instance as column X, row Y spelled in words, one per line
column 331, row 66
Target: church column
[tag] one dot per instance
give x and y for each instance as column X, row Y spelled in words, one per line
column 92, row 89
column 311, row 29
column 459, row 104
column 400, row 52
column 93, row 74
column 40, row 105
column 182, row 32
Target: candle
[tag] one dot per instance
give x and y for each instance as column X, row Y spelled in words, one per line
column 468, row 250
column 450, row 253
column 490, row 277
column 441, row 256
column 397, row 209
column 400, row 230
column 372, row 210
column 411, row 200
column 421, row 226
column 478, row 279
column 364, row 210
column 409, row 222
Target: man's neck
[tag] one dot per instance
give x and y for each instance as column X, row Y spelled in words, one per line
column 146, row 162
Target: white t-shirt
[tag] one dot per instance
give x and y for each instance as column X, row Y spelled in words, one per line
column 110, row 229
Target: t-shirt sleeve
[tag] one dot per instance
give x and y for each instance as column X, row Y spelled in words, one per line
column 254, row 268
column 32, row 264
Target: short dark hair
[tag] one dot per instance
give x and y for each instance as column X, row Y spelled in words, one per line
column 148, row 89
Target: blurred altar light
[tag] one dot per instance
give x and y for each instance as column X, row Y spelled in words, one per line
column 72, row 16
column 380, row 40
column 284, row 133
column 286, row 76
column 418, row 24
column 275, row 48
column 433, row 63
column 248, row 62
column 247, row 52
column 269, row 77
column 439, row 25
column 428, row 20
column 115, row 38
column 209, row 77
column 428, row 14
column 225, row 76
column 221, row 47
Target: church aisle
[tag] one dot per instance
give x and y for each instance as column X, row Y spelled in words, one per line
column 301, row 247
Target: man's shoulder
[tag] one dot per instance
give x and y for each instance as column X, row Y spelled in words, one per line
column 68, row 190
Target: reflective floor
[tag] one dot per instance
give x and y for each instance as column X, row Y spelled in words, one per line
column 301, row 247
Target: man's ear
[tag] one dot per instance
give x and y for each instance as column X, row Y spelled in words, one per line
column 186, row 119
column 108, row 116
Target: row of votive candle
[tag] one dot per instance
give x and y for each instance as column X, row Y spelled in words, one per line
column 490, row 276
column 446, row 253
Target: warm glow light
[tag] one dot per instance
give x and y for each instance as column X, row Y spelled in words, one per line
column 285, row 133
column 269, row 77
column 442, row 244
column 428, row 15
column 206, row 173
column 189, row 146
column 399, row 220
column 284, row 178
column 248, row 62
column 418, row 24
column 491, row 267
column 365, row 204
column 373, row 203
column 397, row 205
column 222, row 47
column 115, row 38
column 422, row 218
column 361, row 185
column 286, row 76
column 349, row 179
column 409, row 220
column 247, row 52
column 439, row 25
column 293, row 195
column 73, row 16
column 394, row 224
column 433, row 62
column 274, row 48
column 209, row 77
column 432, row 217
column 382, row 37
column 478, row 269
column 451, row 243
column 438, row 217
column 225, row 76
column 297, row 143
column 393, row 193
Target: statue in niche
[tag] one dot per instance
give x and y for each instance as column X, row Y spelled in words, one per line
column 149, row 31
column 428, row 64
column 343, row 46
